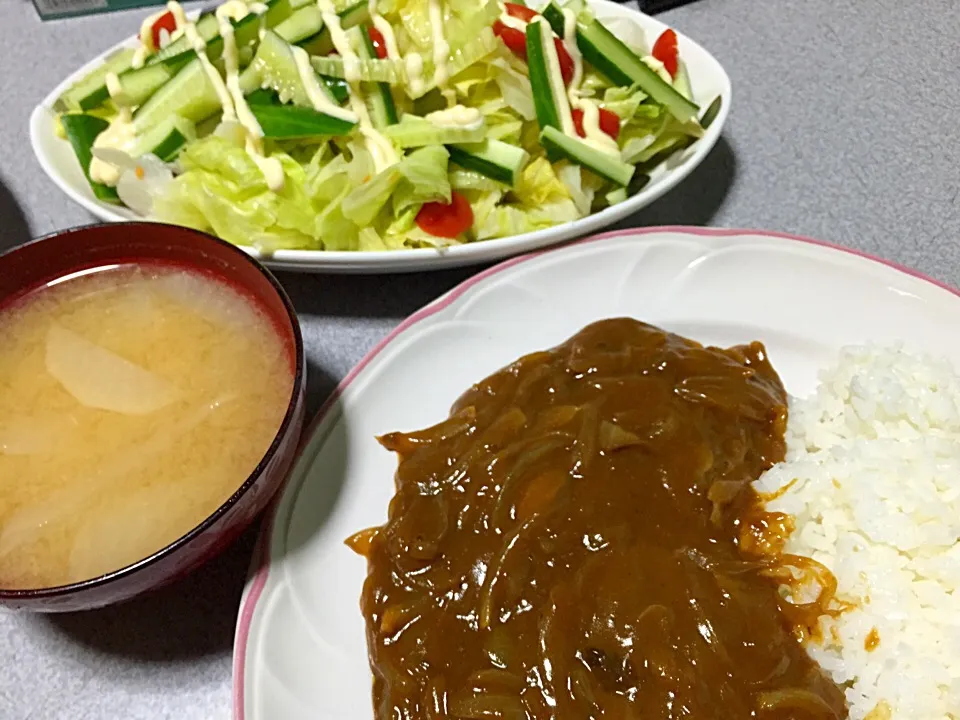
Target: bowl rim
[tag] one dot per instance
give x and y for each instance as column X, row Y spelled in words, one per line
column 58, row 591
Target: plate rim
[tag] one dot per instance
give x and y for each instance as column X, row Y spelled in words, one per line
column 259, row 571
column 414, row 259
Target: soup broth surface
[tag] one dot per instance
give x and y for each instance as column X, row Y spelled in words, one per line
column 134, row 400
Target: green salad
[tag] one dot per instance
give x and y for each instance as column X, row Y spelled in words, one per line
column 383, row 124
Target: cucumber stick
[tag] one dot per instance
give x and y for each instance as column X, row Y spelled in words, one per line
column 383, row 111
column 263, row 96
column 606, row 166
column 190, row 94
column 81, row 131
column 304, row 23
column 394, row 71
column 277, row 69
column 369, row 69
column 321, row 43
column 620, row 64
column 290, row 122
column 549, row 97
column 276, row 65
column 208, row 27
column 413, row 131
column 136, row 86
column 616, row 196
column 139, row 84
column 497, row 160
column 710, row 114
column 91, row 91
column 338, row 88
column 669, row 145
column 166, row 139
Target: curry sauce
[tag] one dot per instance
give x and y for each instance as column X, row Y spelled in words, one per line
column 565, row 544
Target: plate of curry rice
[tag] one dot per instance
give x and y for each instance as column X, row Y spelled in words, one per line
column 659, row 473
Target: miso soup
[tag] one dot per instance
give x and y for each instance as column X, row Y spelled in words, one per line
column 134, row 400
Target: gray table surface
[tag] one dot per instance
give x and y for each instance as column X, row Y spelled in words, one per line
column 843, row 127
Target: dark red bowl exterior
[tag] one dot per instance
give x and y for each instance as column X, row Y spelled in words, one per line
column 36, row 263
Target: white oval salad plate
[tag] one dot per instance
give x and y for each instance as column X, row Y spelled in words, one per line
column 300, row 648
column 708, row 81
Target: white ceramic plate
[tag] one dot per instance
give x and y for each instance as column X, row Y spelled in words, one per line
column 301, row 649
column 708, row 80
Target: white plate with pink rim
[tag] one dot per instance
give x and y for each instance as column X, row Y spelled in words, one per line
column 300, row 648
column 708, row 80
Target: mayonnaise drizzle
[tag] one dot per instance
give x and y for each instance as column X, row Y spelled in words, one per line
column 112, row 81
column 146, row 30
column 318, row 98
column 570, row 43
column 594, row 136
column 270, row 167
column 351, row 63
column 413, row 64
column 658, row 67
column 119, row 135
column 139, row 58
column 441, row 51
column 381, row 24
column 513, row 22
column 179, row 16
column 200, row 47
column 458, row 116
column 146, row 46
column 389, row 39
column 380, row 148
column 232, row 9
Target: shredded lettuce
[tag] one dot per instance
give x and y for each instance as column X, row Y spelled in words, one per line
column 364, row 202
column 538, row 184
column 514, row 87
column 370, row 240
column 593, row 83
column 506, row 220
column 415, row 18
column 624, row 101
column 572, row 177
column 337, row 231
column 424, row 179
column 223, row 191
column 325, row 181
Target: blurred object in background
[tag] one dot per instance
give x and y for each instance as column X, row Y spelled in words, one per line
column 55, row 9
column 650, row 7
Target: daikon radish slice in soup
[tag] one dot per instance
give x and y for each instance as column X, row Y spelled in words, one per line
column 134, row 400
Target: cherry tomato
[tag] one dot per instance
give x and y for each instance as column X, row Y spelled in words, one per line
column 444, row 220
column 165, row 22
column 520, row 11
column 609, row 122
column 512, row 38
column 379, row 44
column 566, row 62
column 665, row 50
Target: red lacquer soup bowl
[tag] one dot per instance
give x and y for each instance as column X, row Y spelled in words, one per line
column 42, row 261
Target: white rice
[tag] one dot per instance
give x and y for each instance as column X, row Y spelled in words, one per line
column 875, row 454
